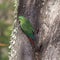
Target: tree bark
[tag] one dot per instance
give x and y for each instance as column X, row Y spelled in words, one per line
column 44, row 15
column 49, row 33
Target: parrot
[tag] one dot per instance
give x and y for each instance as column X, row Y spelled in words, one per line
column 27, row 28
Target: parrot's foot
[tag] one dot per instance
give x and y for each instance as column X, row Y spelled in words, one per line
column 37, row 30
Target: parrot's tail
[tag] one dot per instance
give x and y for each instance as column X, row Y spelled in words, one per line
column 32, row 42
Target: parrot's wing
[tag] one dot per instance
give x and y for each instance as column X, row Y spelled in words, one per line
column 28, row 29
column 32, row 28
column 29, row 26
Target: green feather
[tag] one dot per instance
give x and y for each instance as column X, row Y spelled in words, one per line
column 27, row 27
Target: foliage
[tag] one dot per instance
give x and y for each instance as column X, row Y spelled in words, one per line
column 6, row 20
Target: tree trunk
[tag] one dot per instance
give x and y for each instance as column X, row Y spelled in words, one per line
column 44, row 15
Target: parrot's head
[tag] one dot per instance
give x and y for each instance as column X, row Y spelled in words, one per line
column 22, row 19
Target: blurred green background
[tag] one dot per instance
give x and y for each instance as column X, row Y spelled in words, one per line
column 6, row 21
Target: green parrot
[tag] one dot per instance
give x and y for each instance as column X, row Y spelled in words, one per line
column 27, row 28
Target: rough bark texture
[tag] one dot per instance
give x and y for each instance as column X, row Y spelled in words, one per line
column 45, row 16
column 50, row 30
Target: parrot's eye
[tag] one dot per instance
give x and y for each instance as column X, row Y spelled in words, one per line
column 19, row 21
